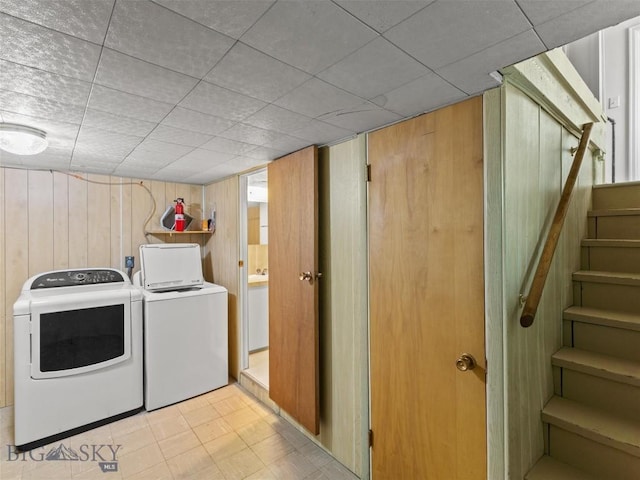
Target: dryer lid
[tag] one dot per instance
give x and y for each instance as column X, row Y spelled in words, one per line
column 171, row 266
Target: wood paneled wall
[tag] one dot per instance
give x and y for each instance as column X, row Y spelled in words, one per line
column 344, row 419
column 51, row 220
column 222, row 256
column 527, row 165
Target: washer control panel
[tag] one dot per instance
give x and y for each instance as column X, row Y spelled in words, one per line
column 70, row 278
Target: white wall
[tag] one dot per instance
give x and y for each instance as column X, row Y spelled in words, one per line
column 585, row 56
column 602, row 59
column 616, row 83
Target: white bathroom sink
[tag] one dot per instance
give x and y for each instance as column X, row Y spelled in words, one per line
column 258, row 278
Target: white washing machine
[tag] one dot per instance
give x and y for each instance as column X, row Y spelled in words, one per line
column 77, row 353
column 185, row 325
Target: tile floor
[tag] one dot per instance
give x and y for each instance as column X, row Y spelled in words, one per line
column 226, row 434
column 259, row 367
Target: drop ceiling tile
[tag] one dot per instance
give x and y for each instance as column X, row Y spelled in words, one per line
column 160, row 36
column 308, row 35
column 253, row 73
column 53, row 164
column 233, row 167
column 316, row 97
column 243, row 164
column 248, row 134
column 382, row 14
column 144, row 160
column 583, row 21
column 319, row 133
column 204, row 178
column 221, row 102
column 128, row 74
column 421, row 95
column 102, row 142
column 55, row 154
column 287, row 143
column 202, row 159
column 51, row 158
column 232, row 18
column 59, row 134
column 165, row 176
column 117, row 123
column 82, row 156
column 174, row 172
column 224, row 145
column 35, row 46
column 135, row 171
column 541, row 11
column 179, row 136
column 264, row 154
column 177, row 176
column 362, row 118
column 128, row 105
column 374, row 69
column 181, row 174
column 196, row 121
column 86, row 19
column 39, row 83
column 155, row 152
column 10, row 160
column 275, row 118
column 97, row 168
column 447, row 31
column 169, row 149
column 40, row 107
column 471, row 75
column 168, row 175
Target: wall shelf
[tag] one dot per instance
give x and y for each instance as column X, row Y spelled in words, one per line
column 173, row 232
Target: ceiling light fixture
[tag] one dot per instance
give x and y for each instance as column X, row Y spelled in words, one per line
column 22, row 140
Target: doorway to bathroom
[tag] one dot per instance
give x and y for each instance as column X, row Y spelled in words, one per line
column 255, row 279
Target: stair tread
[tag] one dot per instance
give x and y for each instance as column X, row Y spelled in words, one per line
column 620, row 278
column 598, row 364
column 609, row 318
column 594, row 424
column 610, row 242
column 613, row 212
column 613, row 186
column 548, row 468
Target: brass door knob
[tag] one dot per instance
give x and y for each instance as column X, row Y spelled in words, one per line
column 465, row 362
column 310, row 277
column 306, row 276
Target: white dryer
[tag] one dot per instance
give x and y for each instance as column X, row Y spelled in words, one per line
column 77, row 353
column 185, row 325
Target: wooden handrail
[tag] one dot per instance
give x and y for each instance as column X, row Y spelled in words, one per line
column 544, row 264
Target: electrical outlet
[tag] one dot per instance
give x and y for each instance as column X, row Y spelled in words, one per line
column 129, row 262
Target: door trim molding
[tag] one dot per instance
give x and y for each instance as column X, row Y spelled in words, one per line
column 634, row 103
column 496, row 394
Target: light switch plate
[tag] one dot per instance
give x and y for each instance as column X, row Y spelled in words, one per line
column 614, row 102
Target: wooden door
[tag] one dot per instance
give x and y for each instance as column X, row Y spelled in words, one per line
column 427, row 296
column 293, row 303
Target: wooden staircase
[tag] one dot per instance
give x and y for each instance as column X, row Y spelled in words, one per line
column 592, row 423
